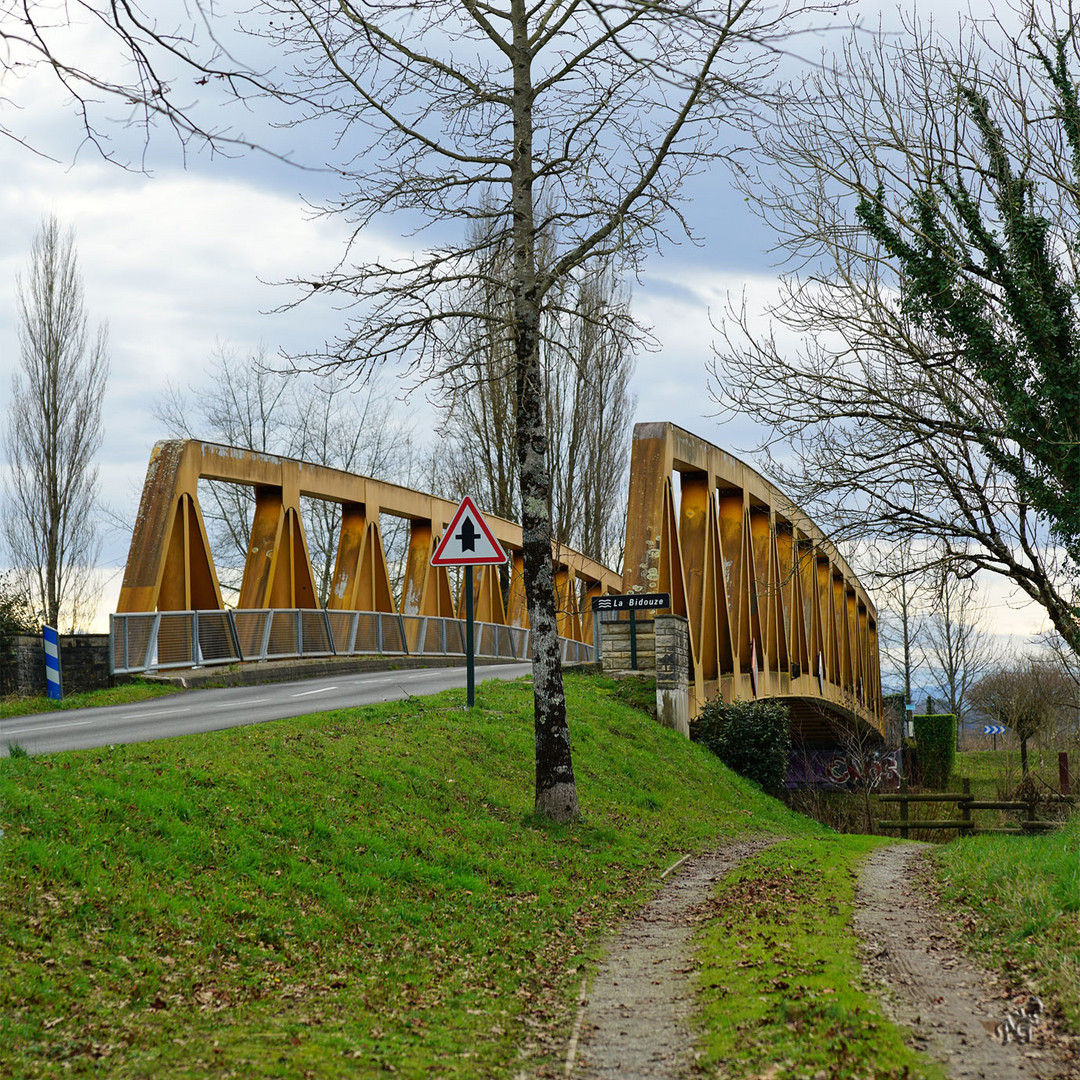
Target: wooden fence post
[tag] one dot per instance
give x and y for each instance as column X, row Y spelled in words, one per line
column 965, row 810
column 903, row 808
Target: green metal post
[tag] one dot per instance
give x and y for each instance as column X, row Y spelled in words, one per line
column 470, row 659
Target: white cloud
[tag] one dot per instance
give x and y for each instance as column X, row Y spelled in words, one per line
column 176, row 263
column 172, row 265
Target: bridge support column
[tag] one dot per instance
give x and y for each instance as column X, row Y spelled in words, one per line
column 673, row 664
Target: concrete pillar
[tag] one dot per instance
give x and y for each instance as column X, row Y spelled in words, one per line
column 673, row 672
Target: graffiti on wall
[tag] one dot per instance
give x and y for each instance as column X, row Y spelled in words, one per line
column 880, row 771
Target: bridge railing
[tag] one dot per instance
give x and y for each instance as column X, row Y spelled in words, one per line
column 163, row 640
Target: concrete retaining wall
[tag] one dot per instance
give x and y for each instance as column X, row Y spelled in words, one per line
column 673, row 664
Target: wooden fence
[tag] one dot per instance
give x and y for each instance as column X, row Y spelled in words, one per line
column 967, row 804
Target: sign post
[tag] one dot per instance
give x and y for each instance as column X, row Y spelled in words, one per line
column 632, row 602
column 995, row 730
column 468, row 542
column 53, row 681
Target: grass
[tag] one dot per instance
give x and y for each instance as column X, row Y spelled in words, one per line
column 780, row 973
column 19, row 705
column 344, row 894
column 995, row 774
column 366, row 892
column 1019, row 899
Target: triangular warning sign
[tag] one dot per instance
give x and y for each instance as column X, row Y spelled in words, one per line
column 468, row 541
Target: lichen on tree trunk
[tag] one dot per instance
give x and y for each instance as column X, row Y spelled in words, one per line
column 556, row 792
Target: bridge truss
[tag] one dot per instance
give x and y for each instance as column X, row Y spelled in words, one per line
column 773, row 609
column 170, row 566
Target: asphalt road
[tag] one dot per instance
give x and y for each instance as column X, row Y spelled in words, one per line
column 192, row 711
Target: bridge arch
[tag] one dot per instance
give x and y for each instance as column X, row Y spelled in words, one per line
column 773, row 608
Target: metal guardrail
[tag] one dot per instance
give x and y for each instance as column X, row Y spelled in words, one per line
column 158, row 641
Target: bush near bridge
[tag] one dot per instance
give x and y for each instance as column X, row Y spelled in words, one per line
column 751, row 737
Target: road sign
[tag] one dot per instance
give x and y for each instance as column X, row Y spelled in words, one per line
column 632, row 602
column 994, row 729
column 468, row 541
column 52, row 663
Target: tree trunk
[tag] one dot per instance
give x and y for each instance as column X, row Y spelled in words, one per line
column 556, row 792
column 1023, row 757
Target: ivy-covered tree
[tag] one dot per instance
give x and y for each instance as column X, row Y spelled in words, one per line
column 983, row 269
column 927, row 190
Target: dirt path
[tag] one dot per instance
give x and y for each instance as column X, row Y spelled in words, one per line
column 635, row 1022
column 930, row 988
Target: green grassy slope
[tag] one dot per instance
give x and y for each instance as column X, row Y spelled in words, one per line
column 1020, row 899
column 335, row 894
column 17, row 705
column 366, row 893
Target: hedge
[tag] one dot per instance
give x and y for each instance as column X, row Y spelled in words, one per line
column 935, row 737
column 751, row 737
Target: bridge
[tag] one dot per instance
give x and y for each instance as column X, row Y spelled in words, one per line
column 772, row 609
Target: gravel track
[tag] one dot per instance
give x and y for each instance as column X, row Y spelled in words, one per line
column 949, row 1005
column 635, row 1022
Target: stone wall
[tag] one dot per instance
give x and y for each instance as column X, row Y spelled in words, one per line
column 615, row 647
column 663, row 650
column 84, row 664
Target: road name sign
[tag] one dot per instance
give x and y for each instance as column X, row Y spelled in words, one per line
column 468, row 541
column 632, row 602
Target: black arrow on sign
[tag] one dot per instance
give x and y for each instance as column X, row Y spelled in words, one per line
column 468, row 535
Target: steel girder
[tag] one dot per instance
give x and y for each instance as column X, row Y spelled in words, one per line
column 773, row 609
column 170, row 566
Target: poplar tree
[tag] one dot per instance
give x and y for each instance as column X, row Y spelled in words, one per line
column 54, row 430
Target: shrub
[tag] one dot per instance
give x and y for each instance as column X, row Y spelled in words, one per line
column 751, row 737
column 935, row 736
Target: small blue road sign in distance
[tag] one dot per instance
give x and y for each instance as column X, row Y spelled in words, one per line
column 994, row 729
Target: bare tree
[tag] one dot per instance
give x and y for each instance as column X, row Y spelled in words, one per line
column 477, row 388
column 898, row 574
column 590, row 364
column 587, row 362
column 53, row 432
column 320, row 419
column 914, row 173
column 1027, row 698
column 573, row 121
column 1064, row 665
column 959, row 647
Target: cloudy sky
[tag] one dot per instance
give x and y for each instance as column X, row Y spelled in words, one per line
column 182, row 258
